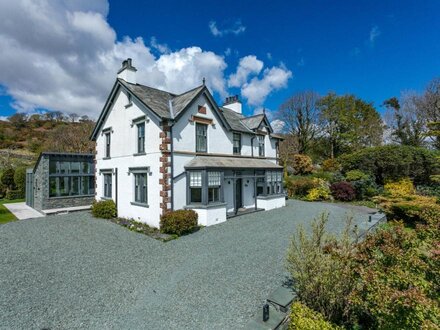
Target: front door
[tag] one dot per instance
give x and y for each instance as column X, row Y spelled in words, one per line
column 238, row 194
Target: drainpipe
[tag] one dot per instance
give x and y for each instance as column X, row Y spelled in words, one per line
column 172, row 154
column 252, row 145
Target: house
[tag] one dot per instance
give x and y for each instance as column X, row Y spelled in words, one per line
column 61, row 181
column 157, row 151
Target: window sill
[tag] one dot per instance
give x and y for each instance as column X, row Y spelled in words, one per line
column 105, row 158
column 106, row 198
column 202, row 206
column 70, row 196
column 140, row 154
column 140, row 204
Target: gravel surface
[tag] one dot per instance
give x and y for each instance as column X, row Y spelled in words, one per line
column 74, row 271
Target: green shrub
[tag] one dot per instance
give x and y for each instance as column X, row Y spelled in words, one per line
column 303, row 318
column 327, row 176
column 14, row 194
column 355, row 175
column 104, row 209
column 7, row 178
column 302, row 164
column 20, row 179
column 320, row 269
column 392, row 162
column 429, row 190
column 179, row 222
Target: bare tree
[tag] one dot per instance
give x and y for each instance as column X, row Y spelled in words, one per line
column 73, row 117
column 72, row 138
column 301, row 117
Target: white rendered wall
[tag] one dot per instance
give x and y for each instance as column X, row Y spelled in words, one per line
column 211, row 216
column 123, row 147
column 271, row 203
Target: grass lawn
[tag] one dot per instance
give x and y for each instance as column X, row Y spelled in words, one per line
column 5, row 215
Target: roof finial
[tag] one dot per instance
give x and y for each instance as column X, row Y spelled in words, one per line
column 203, row 80
column 264, row 111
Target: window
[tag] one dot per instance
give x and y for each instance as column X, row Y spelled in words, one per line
column 260, row 183
column 107, row 185
column 107, row 145
column 214, row 183
column 274, row 182
column 141, row 138
column 201, row 137
column 237, row 143
column 261, row 145
column 195, row 187
column 71, row 178
column 140, row 188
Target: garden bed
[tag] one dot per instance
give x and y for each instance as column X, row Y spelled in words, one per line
column 143, row 228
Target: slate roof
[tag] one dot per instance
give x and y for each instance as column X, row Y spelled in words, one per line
column 230, row 162
column 159, row 102
column 253, row 122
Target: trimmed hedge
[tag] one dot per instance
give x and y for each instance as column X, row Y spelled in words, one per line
column 104, row 209
column 179, row 222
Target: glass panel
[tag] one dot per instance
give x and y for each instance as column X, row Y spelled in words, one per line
column 74, row 185
column 91, row 185
column 53, row 187
column 214, row 179
column 213, row 195
column 86, row 168
column 64, row 186
column 237, row 143
column 141, row 137
column 52, row 166
column 269, row 176
column 196, row 195
column 74, row 167
column 195, row 179
column 64, row 167
column 201, row 137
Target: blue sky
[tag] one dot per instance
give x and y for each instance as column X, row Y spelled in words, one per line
column 373, row 49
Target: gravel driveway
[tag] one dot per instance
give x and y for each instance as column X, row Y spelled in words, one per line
column 74, row 271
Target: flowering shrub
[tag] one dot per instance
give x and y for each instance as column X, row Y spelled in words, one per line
column 299, row 186
column 331, row 165
column 343, row 191
column 302, row 164
column 320, row 192
column 401, row 188
column 302, row 317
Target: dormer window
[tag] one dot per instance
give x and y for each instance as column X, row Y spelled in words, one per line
column 261, row 145
column 201, row 137
column 236, row 143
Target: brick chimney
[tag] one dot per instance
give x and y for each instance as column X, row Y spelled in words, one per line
column 127, row 72
column 233, row 103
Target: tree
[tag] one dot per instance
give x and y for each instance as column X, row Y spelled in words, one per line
column 301, row 115
column 72, row 138
column 407, row 122
column 429, row 105
column 18, row 120
column 7, row 178
column 73, row 117
column 20, row 179
column 348, row 123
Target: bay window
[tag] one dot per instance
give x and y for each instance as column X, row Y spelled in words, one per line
column 214, row 183
column 195, row 187
column 204, row 187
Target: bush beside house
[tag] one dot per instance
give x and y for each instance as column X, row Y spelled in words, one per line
column 179, row 222
column 104, row 209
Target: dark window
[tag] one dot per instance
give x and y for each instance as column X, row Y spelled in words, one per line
column 108, row 185
column 260, row 183
column 195, row 187
column 140, row 188
column 141, row 137
column 71, row 178
column 237, row 143
column 107, row 145
column 261, row 145
column 201, row 137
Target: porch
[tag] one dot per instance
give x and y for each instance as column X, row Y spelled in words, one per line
column 223, row 187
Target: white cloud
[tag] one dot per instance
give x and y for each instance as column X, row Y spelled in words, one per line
column 161, row 48
column 236, row 29
column 374, row 34
column 257, row 89
column 278, row 125
column 4, row 118
column 247, row 65
column 63, row 55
